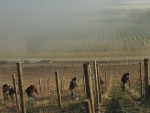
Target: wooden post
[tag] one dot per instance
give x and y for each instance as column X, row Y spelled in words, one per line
column 106, row 78
column 141, row 93
column 96, row 84
column 88, row 106
column 89, row 90
column 62, row 83
column 146, row 69
column 99, row 85
column 129, row 82
column 58, row 89
column 79, row 86
column 21, row 89
column 84, row 84
column 40, row 85
column 16, row 90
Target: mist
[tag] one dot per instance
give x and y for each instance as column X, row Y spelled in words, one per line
column 43, row 27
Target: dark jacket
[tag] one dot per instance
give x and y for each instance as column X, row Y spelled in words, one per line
column 6, row 88
column 30, row 91
column 11, row 91
column 73, row 84
column 125, row 77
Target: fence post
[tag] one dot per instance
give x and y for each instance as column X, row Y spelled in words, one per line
column 96, row 84
column 146, row 69
column 88, row 106
column 99, row 85
column 129, row 84
column 16, row 90
column 40, row 85
column 141, row 78
column 84, row 84
column 62, row 83
column 58, row 89
column 89, row 90
column 21, row 89
column 106, row 78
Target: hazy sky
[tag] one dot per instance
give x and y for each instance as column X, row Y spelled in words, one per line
column 20, row 19
column 36, row 16
column 35, row 21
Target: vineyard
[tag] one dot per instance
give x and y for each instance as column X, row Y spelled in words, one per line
column 122, row 49
column 47, row 44
column 43, row 76
column 98, row 42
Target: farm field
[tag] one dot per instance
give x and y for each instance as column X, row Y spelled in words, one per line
column 56, row 41
column 105, row 40
column 124, row 101
column 46, row 101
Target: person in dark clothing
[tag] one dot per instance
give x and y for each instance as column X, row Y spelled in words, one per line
column 124, row 79
column 31, row 90
column 12, row 93
column 72, row 86
column 101, row 85
column 6, row 89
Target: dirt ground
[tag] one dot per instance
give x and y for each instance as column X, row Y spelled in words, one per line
column 114, row 100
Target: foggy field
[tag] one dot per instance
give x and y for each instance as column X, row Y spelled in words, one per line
column 109, row 40
column 80, row 30
column 65, row 37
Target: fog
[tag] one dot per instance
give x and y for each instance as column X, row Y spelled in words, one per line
column 34, row 27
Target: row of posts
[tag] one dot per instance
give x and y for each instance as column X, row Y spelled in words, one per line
column 21, row 88
column 88, row 88
column 89, row 102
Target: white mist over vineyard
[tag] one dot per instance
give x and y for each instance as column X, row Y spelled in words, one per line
column 74, row 29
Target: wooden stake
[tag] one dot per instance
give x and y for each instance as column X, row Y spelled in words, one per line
column 89, row 90
column 21, row 89
column 88, row 106
column 16, row 90
column 99, row 85
column 40, row 82
column 84, row 84
column 146, row 67
column 141, row 93
column 96, row 84
column 58, row 89
column 106, row 78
